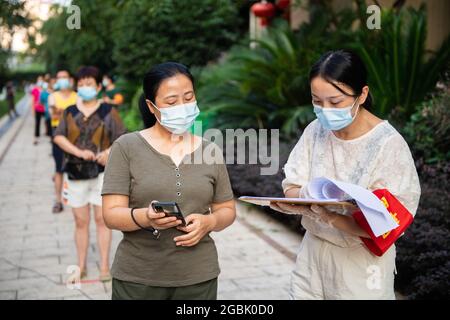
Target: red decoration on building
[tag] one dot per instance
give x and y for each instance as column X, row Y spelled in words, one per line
column 263, row 10
column 283, row 4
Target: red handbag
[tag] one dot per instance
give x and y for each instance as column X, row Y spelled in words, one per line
column 379, row 245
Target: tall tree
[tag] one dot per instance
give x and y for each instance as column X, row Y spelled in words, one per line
column 192, row 32
column 92, row 44
column 12, row 17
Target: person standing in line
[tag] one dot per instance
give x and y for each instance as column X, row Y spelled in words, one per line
column 158, row 163
column 346, row 142
column 63, row 97
column 111, row 94
column 43, row 97
column 10, row 96
column 86, row 132
column 38, row 108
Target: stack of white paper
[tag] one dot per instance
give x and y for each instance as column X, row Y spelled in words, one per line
column 376, row 214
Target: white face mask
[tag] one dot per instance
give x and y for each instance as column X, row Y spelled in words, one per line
column 335, row 118
column 178, row 119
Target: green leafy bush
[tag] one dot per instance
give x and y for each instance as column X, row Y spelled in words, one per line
column 268, row 86
column 190, row 32
column 423, row 255
column 90, row 45
column 401, row 71
column 131, row 116
column 428, row 130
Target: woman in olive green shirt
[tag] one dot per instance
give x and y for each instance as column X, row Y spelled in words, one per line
column 160, row 163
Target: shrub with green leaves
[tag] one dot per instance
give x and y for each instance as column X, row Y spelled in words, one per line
column 268, row 86
column 90, row 45
column 191, row 32
column 428, row 130
column 423, row 255
column 402, row 72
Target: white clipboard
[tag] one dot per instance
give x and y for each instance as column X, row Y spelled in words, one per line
column 265, row 201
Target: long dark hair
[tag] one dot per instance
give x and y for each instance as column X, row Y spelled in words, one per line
column 152, row 81
column 345, row 67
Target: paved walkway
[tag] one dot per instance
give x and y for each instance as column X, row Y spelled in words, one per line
column 36, row 247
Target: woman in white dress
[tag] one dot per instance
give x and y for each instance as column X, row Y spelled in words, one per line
column 348, row 143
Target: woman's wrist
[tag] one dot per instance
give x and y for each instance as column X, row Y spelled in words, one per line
column 77, row 152
column 141, row 217
column 212, row 222
column 148, row 221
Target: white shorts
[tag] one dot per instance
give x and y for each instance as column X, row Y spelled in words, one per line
column 78, row 193
column 326, row 271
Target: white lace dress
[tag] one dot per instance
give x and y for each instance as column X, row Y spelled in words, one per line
column 378, row 159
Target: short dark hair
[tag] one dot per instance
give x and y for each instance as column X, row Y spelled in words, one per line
column 342, row 66
column 152, row 81
column 89, row 72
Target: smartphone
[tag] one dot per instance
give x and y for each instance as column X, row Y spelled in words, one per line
column 170, row 209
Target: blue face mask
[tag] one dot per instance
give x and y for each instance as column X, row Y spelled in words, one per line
column 87, row 93
column 62, row 83
column 335, row 118
column 178, row 119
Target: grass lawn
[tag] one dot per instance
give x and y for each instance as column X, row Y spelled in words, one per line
column 4, row 103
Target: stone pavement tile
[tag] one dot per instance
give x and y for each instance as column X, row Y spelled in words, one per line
column 261, row 294
column 229, row 273
column 255, row 261
column 10, row 274
column 46, row 291
column 279, row 270
column 11, row 226
column 35, row 261
column 38, row 248
column 9, row 244
column 8, row 295
column 26, row 283
column 43, row 253
column 55, row 272
column 93, row 258
column 77, row 297
column 11, row 256
column 38, row 225
column 5, row 265
column 258, row 283
column 103, row 296
column 91, row 267
column 226, row 285
column 93, row 289
column 56, row 278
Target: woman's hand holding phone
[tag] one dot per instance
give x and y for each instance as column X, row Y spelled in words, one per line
column 159, row 221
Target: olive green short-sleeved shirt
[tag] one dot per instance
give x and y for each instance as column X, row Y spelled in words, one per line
column 136, row 169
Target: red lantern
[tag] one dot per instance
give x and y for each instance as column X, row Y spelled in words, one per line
column 263, row 10
column 283, row 4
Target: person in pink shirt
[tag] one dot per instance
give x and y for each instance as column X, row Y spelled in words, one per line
column 37, row 107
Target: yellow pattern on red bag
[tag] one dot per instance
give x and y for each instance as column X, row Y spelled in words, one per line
column 379, row 245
